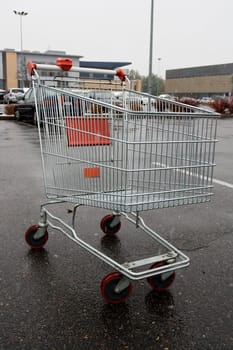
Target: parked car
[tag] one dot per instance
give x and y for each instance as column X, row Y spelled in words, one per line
column 189, row 101
column 2, row 93
column 13, row 95
column 26, row 109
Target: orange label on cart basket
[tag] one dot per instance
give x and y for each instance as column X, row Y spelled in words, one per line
column 91, row 172
column 87, row 131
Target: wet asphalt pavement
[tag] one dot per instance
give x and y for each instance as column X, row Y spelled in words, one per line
column 50, row 299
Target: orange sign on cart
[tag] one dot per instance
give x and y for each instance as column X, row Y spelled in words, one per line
column 91, row 172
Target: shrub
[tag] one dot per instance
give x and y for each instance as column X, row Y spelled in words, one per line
column 230, row 107
column 10, row 109
column 223, row 106
column 190, row 102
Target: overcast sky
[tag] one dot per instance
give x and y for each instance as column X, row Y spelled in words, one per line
column 186, row 32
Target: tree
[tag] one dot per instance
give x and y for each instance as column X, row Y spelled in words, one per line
column 157, row 85
column 157, row 82
column 134, row 75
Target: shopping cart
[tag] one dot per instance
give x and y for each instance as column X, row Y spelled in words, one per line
column 139, row 154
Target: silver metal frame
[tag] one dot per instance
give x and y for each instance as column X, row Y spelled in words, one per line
column 153, row 153
column 174, row 258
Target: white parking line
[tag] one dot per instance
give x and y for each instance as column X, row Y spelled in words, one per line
column 216, row 181
column 223, row 183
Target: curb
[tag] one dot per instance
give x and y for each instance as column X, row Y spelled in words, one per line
column 7, row 117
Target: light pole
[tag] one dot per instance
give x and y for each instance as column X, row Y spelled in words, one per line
column 151, row 47
column 21, row 14
column 158, row 75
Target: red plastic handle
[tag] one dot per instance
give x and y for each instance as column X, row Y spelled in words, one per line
column 31, row 66
column 121, row 74
column 64, row 63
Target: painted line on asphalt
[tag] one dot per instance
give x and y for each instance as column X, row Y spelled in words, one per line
column 223, row 183
column 216, row 181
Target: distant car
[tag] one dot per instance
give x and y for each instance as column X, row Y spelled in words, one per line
column 206, row 100
column 167, row 97
column 132, row 101
column 13, row 95
column 105, row 96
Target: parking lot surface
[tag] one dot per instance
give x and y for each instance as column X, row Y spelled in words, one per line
column 50, row 299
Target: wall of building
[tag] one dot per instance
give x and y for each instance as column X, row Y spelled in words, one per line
column 199, row 85
column 200, row 81
column 13, row 65
column 11, row 69
column 2, row 80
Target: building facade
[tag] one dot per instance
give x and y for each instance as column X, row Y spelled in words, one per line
column 13, row 71
column 197, row 82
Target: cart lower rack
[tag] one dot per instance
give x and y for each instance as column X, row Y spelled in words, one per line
column 127, row 160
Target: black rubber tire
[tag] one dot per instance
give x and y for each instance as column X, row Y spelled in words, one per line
column 157, row 283
column 108, row 285
column 105, row 225
column 31, row 241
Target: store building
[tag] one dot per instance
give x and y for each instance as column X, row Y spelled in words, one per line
column 13, row 71
column 197, row 82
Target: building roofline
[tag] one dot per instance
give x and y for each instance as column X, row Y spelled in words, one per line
column 50, row 53
column 103, row 64
column 208, row 70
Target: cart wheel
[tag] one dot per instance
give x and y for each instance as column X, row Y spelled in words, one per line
column 105, row 225
column 35, row 243
column 108, row 285
column 160, row 282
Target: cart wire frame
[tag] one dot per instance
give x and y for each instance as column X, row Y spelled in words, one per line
column 127, row 155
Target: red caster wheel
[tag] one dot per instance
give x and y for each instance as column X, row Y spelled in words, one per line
column 106, row 227
column 163, row 281
column 32, row 240
column 108, row 288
